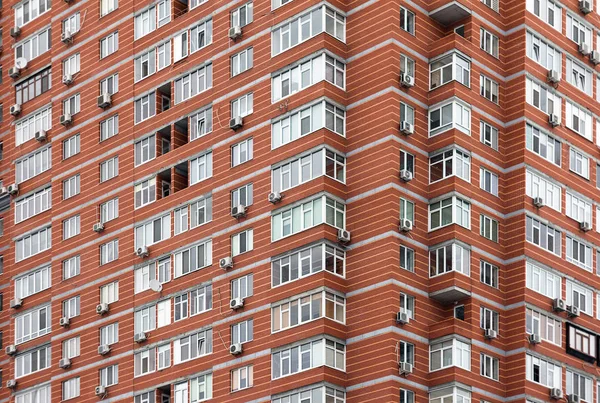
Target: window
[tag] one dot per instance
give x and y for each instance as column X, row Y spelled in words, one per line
column 200, row 300
column 163, row 311
column 543, row 145
column 580, row 297
column 109, row 127
column 71, row 64
column 489, row 89
column 407, row 113
column 201, row 168
column 110, row 84
column 180, row 305
column 579, row 163
column 71, row 227
column 200, row 124
column 241, row 152
column 34, row 46
column 299, row 310
column 193, row 83
column 180, row 218
column 241, row 61
column 488, row 228
column 579, row 76
column 109, row 375
column 488, row 181
column 146, row 21
column 307, row 167
column 407, row 396
column 30, row 10
column 488, row 319
column 109, row 45
column 33, row 282
column 448, row 354
column 543, row 53
column 538, row 186
column 548, row 328
column 407, row 162
column 33, row 243
column 145, row 193
column 33, row 86
column 192, row 259
column 109, row 169
column 201, row 212
column 542, row 98
column 145, row 319
column 145, row 107
column 489, row 42
column 242, row 196
column 449, row 68
column 306, row 262
column 144, row 362
column 180, row 46
column 489, row 135
column 109, row 334
column 200, row 35
column 26, row 128
column 407, row 258
column 192, row 346
column 242, row 332
column 579, row 385
column 33, row 164
column 71, row 187
column 242, row 242
column 71, row 24
column 306, row 26
column 543, row 281
column 145, row 150
column 406, row 352
column 449, row 163
column 70, row 388
column 109, row 210
column 489, row 274
column 32, row 361
column 452, row 115
column 109, row 293
column 70, row 267
column 308, row 355
column 578, row 208
column 489, row 367
column 242, row 378
column 407, row 210
column 71, row 307
column 306, row 120
column 407, row 65
column 407, row 304
column 32, row 205
column 543, row 235
column 242, row 106
column 407, row 20
column 109, row 252
column 459, row 312
column 452, row 257
column 318, row 394
column 242, row 287
column 452, row 210
column 147, row 397
column 153, row 231
column 579, row 120
column 163, row 356
column 276, row 4
column 543, row 372
column 548, row 11
column 242, row 16
column 108, row 6
column 70, row 347
column 32, row 324
column 145, row 65
column 578, row 31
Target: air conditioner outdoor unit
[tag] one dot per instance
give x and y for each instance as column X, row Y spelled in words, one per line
column 554, row 120
column 275, row 197
column 584, row 49
column 236, row 122
column 14, row 32
column 104, row 100
column 572, row 311
column 234, row 32
column 595, row 57
column 572, row 398
column 538, row 202
column 64, row 321
column 66, row 36
column 407, row 80
column 559, row 305
column 12, row 189
column 406, row 128
column 11, row 350
column 142, row 251
column 140, row 337
column 238, row 211
column 16, row 303
column 226, row 263
column 15, row 109
column 402, row 317
column 68, row 79
column 585, row 7
column 490, row 334
column 556, row 393
column 14, row 72
column 66, row 119
column 41, row 135
column 236, row 349
column 535, row 338
column 11, row 384
column 343, row 236
column 98, row 227
column 64, row 363
column 406, row 175
column 553, row 76
column 236, row 303
column 405, row 368
column 585, row 226
column 102, row 308
column 100, row 390
column 103, row 349
column 3, row 191
column 406, row 225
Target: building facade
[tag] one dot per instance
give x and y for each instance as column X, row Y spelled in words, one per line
column 295, row 201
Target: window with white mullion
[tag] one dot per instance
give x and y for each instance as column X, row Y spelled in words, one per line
column 579, row 253
column 547, row 327
column 449, row 68
column 453, row 162
column 543, row 53
column 452, row 210
column 452, row 257
column 579, row 76
column 448, row 116
column 579, row 120
column 543, row 144
column 542, row 98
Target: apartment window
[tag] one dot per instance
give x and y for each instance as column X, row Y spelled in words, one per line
column 242, row 378
column 307, row 167
column 318, row 394
column 542, row 98
column 449, row 163
column 26, row 128
column 200, row 300
column 201, row 212
column 109, row 293
column 407, row 210
column 489, row 367
column 488, row 228
column 308, row 355
column 579, row 76
column 578, row 31
column 548, row 11
column 30, row 10
column 407, row 113
column 493, row 4
column 144, row 362
column 543, row 53
column 180, row 307
column 452, row 257
column 32, row 324
column 71, row 227
column 489, row 274
column 449, row 68
column 70, row 347
column 145, row 150
column 71, row 187
column 180, row 46
column 180, row 219
column 109, row 45
column 164, row 356
column 538, row 186
column 579, row 385
column 242, row 196
column 578, row 208
column 488, row 319
column 448, row 354
column 108, row 6
column 489, row 89
column 193, row 83
column 71, row 24
column 192, row 259
column 407, row 162
column 201, row 168
column 109, row 210
column 242, row 287
column 579, row 120
column 71, row 64
column 145, row 107
column 306, row 262
column 33, row 87
column 543, row 281
column 242, row 106
column 579, row 163
column 452, row 115
column 71, row 267
column 407, row 304
column 109, row 252
column 109, row 169
column 145, row 65
column 543, row 235
column 452, row 210
column 459, row 312
column 407, row 65
column 200, row 36
column 153, row 231
column 543, row 144
column 109, row 375
column 193, row 346
column 33, row 282
column 110, row 84
column 33, row 165
column 145, row 193
column 241, row 62
column 489, row 42
column 489, row 135
column 70, row 307
column 488, row 181
column 109, row 334
column 70, row 388
column 146, row 22
column 407, row 20
column 109, row 127
column 242, row 16
column 580, row 297
column 32, row 205
column 242, row 242
column 241, row 152
column 297, row 311
column 242, row 332
column 71, row 105
column 548, row 328
column 32, row 361
column 147, row 397
column 406, row 352
column 34, row 46
column 543, row 372
column 33, row 243
column 200, row 124
column 407, row 396
column 407, row 258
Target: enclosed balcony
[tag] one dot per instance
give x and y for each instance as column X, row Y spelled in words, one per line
column 449, row 13
column 449, row 267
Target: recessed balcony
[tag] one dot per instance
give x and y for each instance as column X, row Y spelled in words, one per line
column 450, row 13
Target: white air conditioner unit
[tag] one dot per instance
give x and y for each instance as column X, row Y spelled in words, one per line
column 585, row 226
column 234, row 32
column 238, row 211
column 100, row 391
column 14, row 72
column 236, row 349
column 402, row 317
column 406, row 225
column 103, row 349
column 236, row 122
column 142, row 251
column 406, row 175
column 16, row 303
column 275, row 197
column 554, row 120
column 538, row 202
column 64, row 321
column 405, row 368
column 41, row 135
column 102, row 308
column 12, row 189
column 3, row 191
column 406, row 128
column 11, row 384
column 573, row 398
column 104, row 100
column 64, row 363
column 407, row 80
column 66, row 36
column 226, row 262
column 140, row 337
column 584, row 49
column 553, row 76
column 490, row 334
column 535, row 338
column 343, row 236
column 556, row 393
column 98, row 227
column 15, row 109
column 15, row 31
column 66, row 119
column 11, row 350
column 585, row 7
column 559, row 305
column 68, row 79
column 236, row 303
column 595, row 57
column 572, row 311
